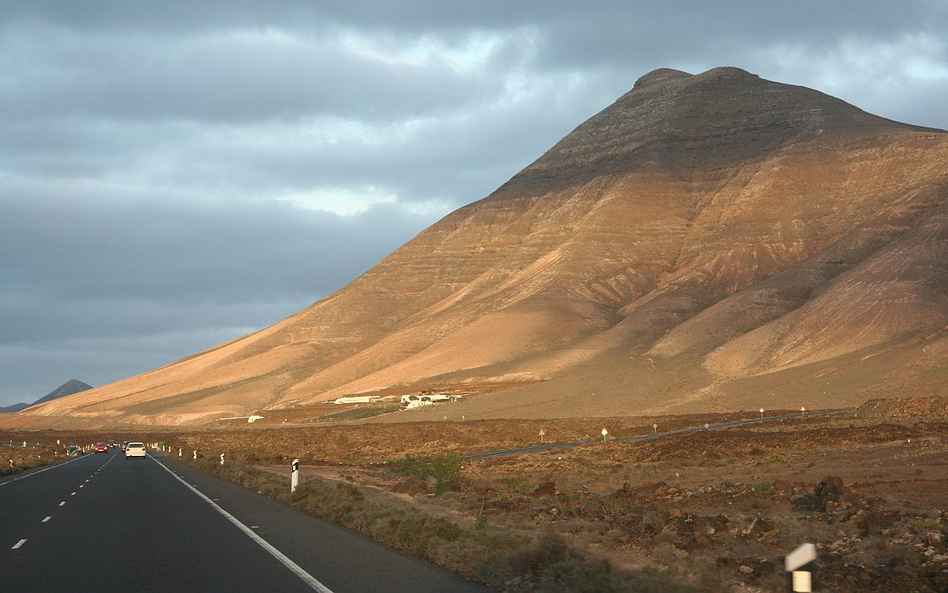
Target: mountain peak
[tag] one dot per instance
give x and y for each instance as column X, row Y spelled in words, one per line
column 68, row 388
column 679, row 122
column 662, row 76
column 726, row 73
column 659, row 76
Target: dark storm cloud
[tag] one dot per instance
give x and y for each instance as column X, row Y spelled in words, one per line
column 156, row 157
column 220, row 76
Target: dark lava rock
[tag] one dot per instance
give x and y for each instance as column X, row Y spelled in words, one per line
column 545, row 489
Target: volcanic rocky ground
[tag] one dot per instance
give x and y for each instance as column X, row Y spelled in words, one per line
column 708, row 242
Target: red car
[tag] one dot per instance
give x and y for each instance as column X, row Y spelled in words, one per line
column 101, row 447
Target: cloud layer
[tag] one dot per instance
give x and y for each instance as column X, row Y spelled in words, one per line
column 176, row 174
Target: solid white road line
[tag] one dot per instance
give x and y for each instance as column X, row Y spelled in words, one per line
column 46, row 519
column 294, row 568
column 38, row 472
column 18, row 544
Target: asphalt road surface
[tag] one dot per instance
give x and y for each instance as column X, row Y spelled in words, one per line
column 104, row 523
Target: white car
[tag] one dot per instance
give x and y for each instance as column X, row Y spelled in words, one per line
column 134, row 449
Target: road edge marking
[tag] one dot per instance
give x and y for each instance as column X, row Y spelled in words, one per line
column 294, row 567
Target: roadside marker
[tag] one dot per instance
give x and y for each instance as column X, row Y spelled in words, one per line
column 18, row 544
column 797, row 563
column 46, row 469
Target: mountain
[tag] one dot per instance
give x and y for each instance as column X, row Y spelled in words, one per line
column 13, row 408
column 707, row 242
column 68, row 388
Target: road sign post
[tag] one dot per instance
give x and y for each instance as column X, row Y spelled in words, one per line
column 294, row 475
column 604, row 433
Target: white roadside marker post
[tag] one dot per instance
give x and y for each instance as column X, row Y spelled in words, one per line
column 179, row 451
column 655, row 428
column 294, row 475
column 195, row 455
column 542, row 434
column 761, row 413
column 797, row 564
column 222, row 459
column 803, row 411
column 604, row 433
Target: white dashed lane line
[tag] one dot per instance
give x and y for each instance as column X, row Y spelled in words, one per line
column 46, row 519
column 63, row 503
column 18, row 544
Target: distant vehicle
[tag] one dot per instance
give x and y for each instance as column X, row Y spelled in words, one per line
column 134, row 449
column 124, row 444
column 101, row 447
column 112, row 443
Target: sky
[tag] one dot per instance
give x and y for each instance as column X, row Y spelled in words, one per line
column 176, row 174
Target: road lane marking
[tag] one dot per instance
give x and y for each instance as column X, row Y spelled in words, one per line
column 39, row 471
column 294, row 568
column 62, row 503
column 82, row 485
column 18, row 544
column 46, row 519
column 73, row 494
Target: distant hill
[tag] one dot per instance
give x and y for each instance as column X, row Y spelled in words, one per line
column 13, row 408
column 68, row 388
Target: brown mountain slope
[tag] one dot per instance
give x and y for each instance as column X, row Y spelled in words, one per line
column 705, row 242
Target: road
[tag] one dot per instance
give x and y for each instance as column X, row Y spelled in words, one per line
column 650, row 437
column 101, row 522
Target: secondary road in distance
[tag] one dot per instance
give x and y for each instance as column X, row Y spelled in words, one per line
column 104, row 523
column 650, row 437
